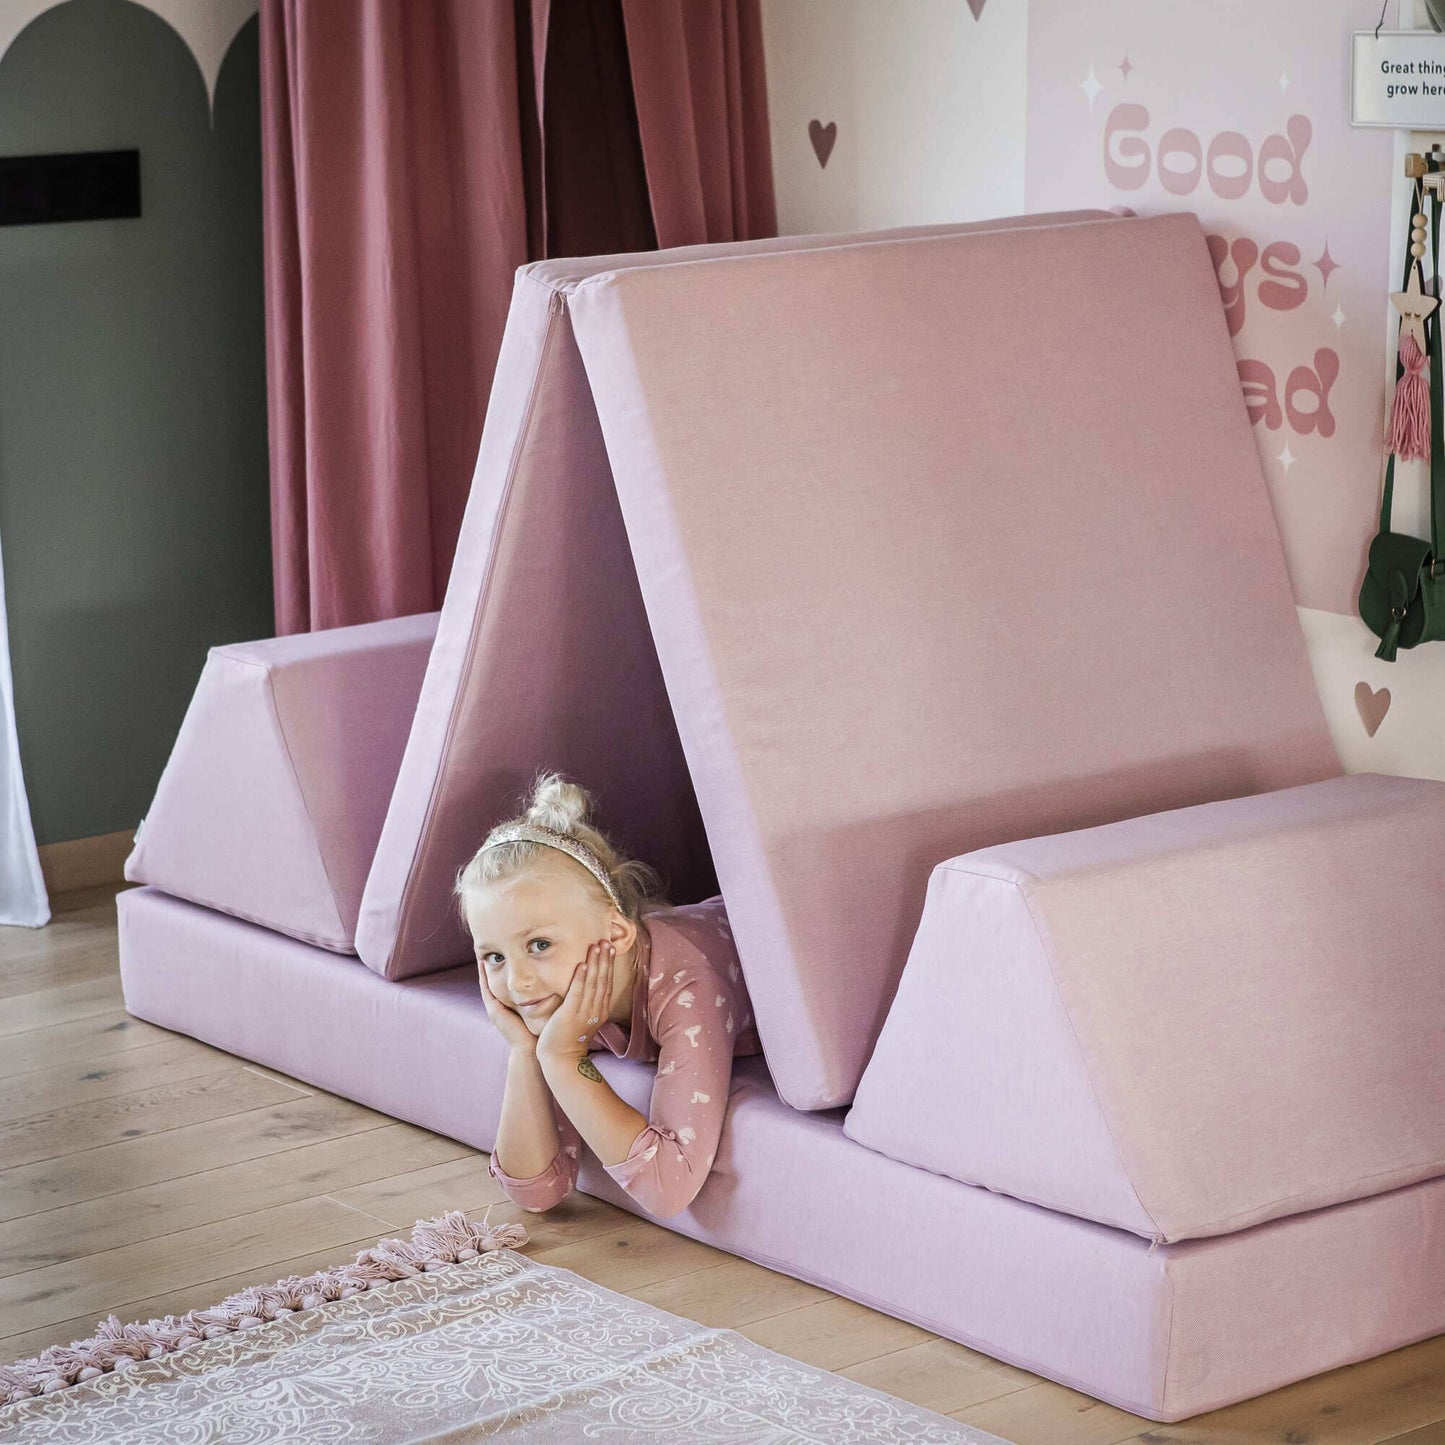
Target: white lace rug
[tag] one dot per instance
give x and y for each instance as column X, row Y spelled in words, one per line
column 499, row 1347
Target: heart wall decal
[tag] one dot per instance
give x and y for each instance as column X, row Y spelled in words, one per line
column 823, row 138
column 1372, row 706
column 977, row 7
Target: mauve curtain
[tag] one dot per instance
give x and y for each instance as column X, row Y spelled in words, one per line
column 415, row 153
column 702, row 109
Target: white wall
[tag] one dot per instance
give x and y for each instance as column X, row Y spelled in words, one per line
column 929, row 104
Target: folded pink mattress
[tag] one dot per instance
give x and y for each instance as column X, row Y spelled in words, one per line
column 924, row 529
column 544, row 653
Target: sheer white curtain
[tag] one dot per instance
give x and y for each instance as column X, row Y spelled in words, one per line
column 23, row 898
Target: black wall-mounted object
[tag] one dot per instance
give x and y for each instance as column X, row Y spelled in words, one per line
column 82, row 186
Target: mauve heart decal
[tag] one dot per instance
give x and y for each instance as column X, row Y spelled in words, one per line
column 1372, row 706
column 977, row 7
column 822, row 137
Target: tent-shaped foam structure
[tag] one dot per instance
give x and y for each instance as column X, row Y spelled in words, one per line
column 836, row 565
column 910, row 565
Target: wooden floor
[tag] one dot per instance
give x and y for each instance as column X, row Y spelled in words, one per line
column 144, row 1173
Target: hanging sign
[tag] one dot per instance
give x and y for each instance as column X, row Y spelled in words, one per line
column 1398, row 79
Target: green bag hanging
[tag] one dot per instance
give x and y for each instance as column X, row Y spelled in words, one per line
column 1402, row 597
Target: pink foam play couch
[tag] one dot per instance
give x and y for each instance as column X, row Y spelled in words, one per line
column 920, row 591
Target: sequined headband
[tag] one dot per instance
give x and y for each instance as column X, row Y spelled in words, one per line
column 572, row 847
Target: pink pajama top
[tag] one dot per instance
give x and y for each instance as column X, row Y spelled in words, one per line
column 691, row 1014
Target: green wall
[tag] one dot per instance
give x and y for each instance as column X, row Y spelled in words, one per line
column 134, row 505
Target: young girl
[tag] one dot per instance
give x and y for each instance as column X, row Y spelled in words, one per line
column 575, row 951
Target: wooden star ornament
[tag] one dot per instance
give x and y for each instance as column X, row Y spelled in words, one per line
column 1414, row 306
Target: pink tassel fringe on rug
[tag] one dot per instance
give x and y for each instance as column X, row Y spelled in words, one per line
column 434, row 1244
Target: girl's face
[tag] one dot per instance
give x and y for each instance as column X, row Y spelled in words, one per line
column 531, row 930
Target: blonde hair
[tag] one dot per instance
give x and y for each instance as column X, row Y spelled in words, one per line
column 562, row 807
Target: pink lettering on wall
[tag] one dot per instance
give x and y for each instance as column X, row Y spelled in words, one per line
column 1295, row 205
column 1231, row 165
column 1179, row 162
column 1315, row 383
column 1289, row 289
column 1127, row 159
column 1285, row 288
column 1280, row 176
column 1261, row 394
column 1240, row 255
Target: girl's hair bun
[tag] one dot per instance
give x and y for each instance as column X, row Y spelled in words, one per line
column 563, row 807
column 558, row 804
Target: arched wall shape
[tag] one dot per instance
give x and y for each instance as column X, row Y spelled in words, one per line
column 134, row 492
column 207, row 26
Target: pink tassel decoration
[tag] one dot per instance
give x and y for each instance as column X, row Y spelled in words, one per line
column 434, row 1244
column 1410, row 413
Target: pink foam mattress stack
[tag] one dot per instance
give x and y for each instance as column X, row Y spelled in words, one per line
column 920, row 591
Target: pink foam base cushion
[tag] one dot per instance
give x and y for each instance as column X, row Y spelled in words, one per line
column 272, row 800
column 544, row 654
column 923, row 529
column 1166, row 1332
column 1182, row 1024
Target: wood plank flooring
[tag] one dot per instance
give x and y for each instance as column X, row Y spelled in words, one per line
column 143, row 1173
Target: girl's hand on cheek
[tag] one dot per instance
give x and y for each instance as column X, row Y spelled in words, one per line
column 509, row 1023
column 584, row 1009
